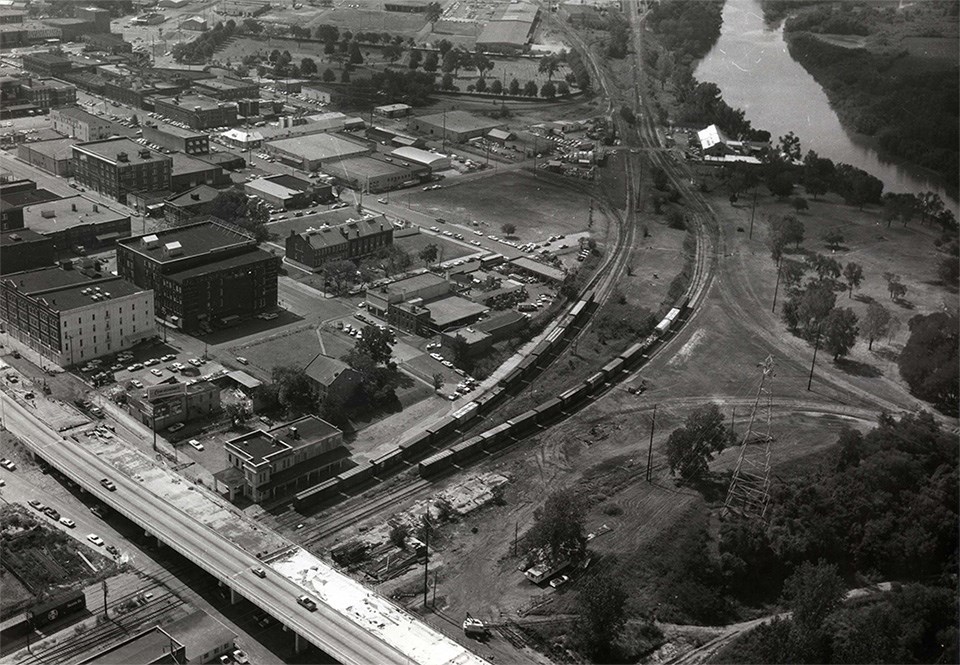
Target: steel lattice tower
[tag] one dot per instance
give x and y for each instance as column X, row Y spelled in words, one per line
column 750, row 486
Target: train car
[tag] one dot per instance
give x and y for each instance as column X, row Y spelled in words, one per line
column 356, row 475
column 436, row 464
column 441, row 429
column 488, row 400
column 613, row 368
column 578, row 310
column 496, row 437
column 595, row 381
column 663, row 327
column 465, row 413
column 523, row 422
column 416, row 445
column 57, row 608
column 548, row 409
column 467, row 449
column 526, row 366
column 575, row 394
column 673, row 314
column 317, row 493
column 633, row 354
column 389, row 461
column 511, row 379
column 555, row 335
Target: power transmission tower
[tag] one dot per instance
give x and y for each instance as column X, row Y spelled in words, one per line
column 749, row 489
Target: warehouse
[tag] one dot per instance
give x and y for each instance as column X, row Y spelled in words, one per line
column 197, row 111
column 393, row 110
column 24, row 249
column 432, row 160
column 79, row 124
column 77, row 224
column 187, row 172
column 374, row 175
column 315, row 150
column 456, row 126
column 177, row 139
column 54, row 157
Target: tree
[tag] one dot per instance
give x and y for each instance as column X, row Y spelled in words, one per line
column 308, row 67
column 897, row 290
column 827, row 268
column 327, row 33
column 781, row 185
column 451, row 61
column 482, row 63
column 329, row 76
column 812, row 593
column 496, row 87
column 338, row 274
column 876, row 323
column 415, row 59
column 236, row 412
column 792, row 272
column 443, row 46
column 789, row 147
column 296, row 392
column 509, row 229
column 429, row 253
column 558, row 525
column 514, row 88
column 853, row 273
column 438, row 381
column 627, row 114
column 345, row 75
column 481, row 85
column 948, row 270
column 548, row 90
column 447, row 82
column 530, row 89
column 840, row 332
column 376, row 344
column 691, row 447
column 356, row 57
column 805, row 311
column 929, row 361
column 833, row 239
column 431, row 62
column 930, row 205
column 563, row 89
column 549, row 65
column 392, row 52
column 799, row 203
column 602, row 604
column 433, row 13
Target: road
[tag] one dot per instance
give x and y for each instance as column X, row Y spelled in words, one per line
column 343, row 639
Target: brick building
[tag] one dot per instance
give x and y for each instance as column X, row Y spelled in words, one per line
column 118, row 167
column 197, row 112
column 353, row 240
column 79, row 124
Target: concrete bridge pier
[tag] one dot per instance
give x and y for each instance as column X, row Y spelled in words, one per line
column 299, row 644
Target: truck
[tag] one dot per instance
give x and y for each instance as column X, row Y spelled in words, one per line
column 474, row 628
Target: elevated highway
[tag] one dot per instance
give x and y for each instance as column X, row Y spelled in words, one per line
column 352, row 624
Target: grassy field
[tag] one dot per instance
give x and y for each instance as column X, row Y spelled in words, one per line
column 539, row 208
column 414, row 244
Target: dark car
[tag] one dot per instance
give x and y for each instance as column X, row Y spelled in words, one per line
column 52, row 513
column 108, row 484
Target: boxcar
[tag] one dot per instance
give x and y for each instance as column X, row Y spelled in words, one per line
column 386, row 462
column 575, row 394
column 596, row 380
column 436, row 463
column 548, row 409
column 523, row 422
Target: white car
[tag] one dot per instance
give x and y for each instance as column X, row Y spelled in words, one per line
column 242, row 360
column 67, row 522
column 382, row 200
column 7, row 464
column 95, row 539
column 195, row 444
column 436, row 356
column 447, row 363
column 240, row 657
column 156, row 372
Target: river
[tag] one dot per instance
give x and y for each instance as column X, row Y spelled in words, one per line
column 751, row 64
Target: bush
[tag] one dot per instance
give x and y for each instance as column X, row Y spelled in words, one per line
column 612, row 509
column 398, row 535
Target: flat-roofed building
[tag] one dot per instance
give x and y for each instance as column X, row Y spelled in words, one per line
column 191, row 203
column 456, row 126
column 422, row 304
column 49, row 93
column 228, row 88
column 549, row 274
column 432, row 160
column 24, row 249
column 243, row 139
column 196, row 111
column 16, row 195
column 187, row 172
column 352, row 240
column 55, row 156
column 274, row 193
column 174, row 138
column 205, row 275
column 108, row 42
column 375, row 174
column 69, row 317
column 312, row 151
column 46, row 64
column 205, row 637
column 117, row 167
column 79, row 124
column 77, row 222
column 196, row 23
column 153, row 646
column 167, row 403
column 285, row 459
column 393, row 110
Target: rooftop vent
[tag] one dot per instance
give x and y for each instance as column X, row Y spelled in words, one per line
column 122, row 157
column 150, row 241
column 173, row 249
column 145, row 154
column 294, row 434
column 47, row 214
column 15, row 237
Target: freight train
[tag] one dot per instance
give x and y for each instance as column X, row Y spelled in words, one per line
column 432, row 441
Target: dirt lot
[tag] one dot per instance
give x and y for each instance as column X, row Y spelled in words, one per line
column 537, row 207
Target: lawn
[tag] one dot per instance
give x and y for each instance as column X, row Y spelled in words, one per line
column 414, row 244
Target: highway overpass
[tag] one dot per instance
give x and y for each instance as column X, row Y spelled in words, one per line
column 352, row 623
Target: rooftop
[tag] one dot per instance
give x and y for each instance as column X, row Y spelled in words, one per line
column 57, row 149
column 711, row 136
column 47, row 57
column 193, row 101
column 225, row 83
column 200, row 633
column 450, row 309
column 461, row 121
column 26, row 197
column 247, row 258
column 207, row 237
column 80, row 114
column 414, row 283
column 196, row 196
column 110, row 149
column 325, row 369
column 178, row 131
column 64, row 290
column 499, row 320
column 183, row 163
column 72, row 211
column 418, row 155
column 514, row 33
column 150, row 646
column 389, row 108
column 539, row 268
column 319, row 146
column 20, row 236
column 242, row 135
column 271, row 188
column 520, row 11
column 257, row 447
column 364, row 167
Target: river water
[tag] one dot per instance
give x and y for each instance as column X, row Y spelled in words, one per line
column 751, row 64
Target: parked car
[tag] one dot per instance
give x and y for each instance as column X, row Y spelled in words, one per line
column 176, row 427
column 557, row 581
column 95, row 539
column 7, row 464
column 259, row 572
column 195, row 444
column 242, row 360
column 67, row 522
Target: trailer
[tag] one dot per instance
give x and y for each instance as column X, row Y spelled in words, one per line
column 544, row 570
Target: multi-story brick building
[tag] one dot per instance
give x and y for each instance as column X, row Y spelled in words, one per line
column 79, row 124
column 117, row 167
column 24, row 249
column 166, row 404
column 69, row 317
column 46, row 64
column 174, row 138
column 205, row 275
column 49, row 93
column 353, row 240
column 228, row 89
column 197, row 112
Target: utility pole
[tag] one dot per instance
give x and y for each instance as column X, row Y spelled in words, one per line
column 426, row 559
column 653, row 423
column 516, row 535
column 733, row 421
column 753, row 211
column 433, row 603
column 816, row 347
column 104, row 585
column 776, row 289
